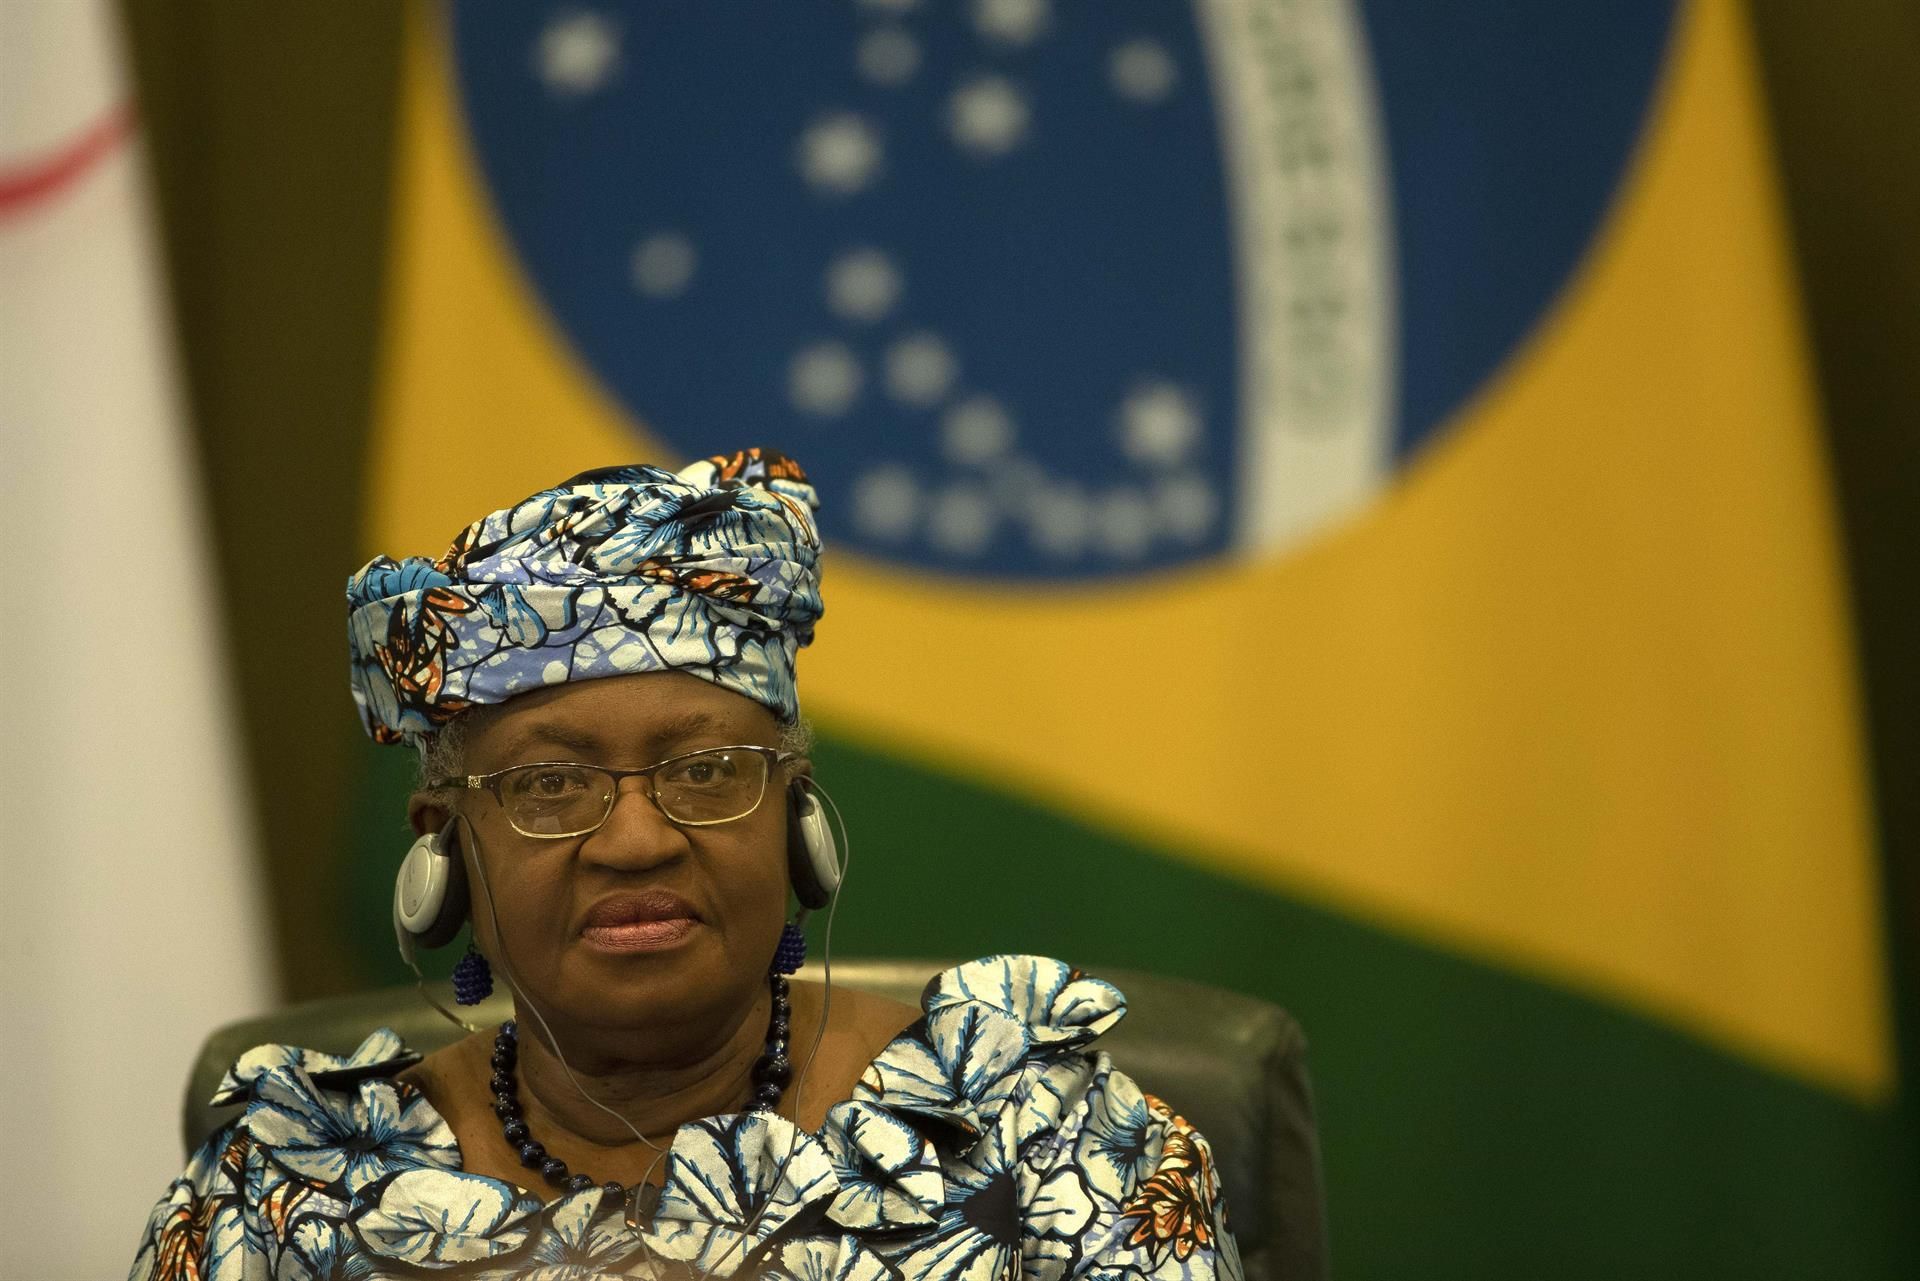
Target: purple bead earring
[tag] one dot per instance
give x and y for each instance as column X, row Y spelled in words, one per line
column 472, row 978
column 792, row 952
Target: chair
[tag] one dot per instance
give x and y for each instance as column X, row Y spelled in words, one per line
column 1233, row 1065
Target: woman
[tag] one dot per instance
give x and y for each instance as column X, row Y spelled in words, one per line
column 616, row 799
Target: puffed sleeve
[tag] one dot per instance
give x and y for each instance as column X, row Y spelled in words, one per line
column 197, row 1231
column 1131, row 1191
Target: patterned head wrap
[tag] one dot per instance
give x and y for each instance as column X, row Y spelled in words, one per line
column 713, row 571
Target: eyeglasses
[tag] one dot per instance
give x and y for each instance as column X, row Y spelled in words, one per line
column 551, row 800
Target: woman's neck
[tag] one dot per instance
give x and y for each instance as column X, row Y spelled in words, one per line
column 652, row 1087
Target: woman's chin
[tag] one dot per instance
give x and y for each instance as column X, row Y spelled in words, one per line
column 680, row 990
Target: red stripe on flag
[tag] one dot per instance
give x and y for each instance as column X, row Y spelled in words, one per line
column 34, row 181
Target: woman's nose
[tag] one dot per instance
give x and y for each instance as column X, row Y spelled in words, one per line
column 636, row 834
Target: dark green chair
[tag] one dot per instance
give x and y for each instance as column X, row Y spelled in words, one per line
column 1233, row 1065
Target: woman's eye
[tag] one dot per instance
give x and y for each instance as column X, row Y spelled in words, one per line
column 549, row 784
column 702, row 771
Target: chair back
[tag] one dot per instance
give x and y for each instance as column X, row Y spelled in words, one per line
column 1233, row 1065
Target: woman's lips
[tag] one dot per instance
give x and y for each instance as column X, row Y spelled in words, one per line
column 640, row 936
column 645, row 922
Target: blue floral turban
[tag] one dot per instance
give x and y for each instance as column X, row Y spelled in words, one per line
column 712, row 571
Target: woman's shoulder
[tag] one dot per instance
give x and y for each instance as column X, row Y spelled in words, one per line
column 987, row 1031
column 861, row 1014
column 1058, row 1005
column 1046, row 1004
column 337, row 1121
column 317, row 1134
column 380, row 1055
column 454, row 1070
column 999, row 1084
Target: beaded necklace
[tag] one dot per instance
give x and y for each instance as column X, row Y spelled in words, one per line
column 770, row 1076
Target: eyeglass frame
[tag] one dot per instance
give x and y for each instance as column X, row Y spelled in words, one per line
column 490, row 783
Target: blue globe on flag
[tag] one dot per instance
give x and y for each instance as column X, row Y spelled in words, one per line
column 1040, row 291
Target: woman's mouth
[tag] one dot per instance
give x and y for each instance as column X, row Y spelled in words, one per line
column 646, row 922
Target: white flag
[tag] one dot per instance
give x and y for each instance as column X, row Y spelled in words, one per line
column 130, row 916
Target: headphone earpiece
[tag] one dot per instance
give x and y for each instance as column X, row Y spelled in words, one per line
column 430, row 893
column 813, row 857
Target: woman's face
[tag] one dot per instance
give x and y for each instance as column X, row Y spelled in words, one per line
column 560, row 904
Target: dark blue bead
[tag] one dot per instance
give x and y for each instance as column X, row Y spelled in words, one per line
column 516, row 1132
column 472, row 980
column 615, row 1189
column 502, row 1083
column 553, row 1170
column 775, row 1069
column 791, row 952
column 506, row 1109
column 532, row 1153
column 580, row 1183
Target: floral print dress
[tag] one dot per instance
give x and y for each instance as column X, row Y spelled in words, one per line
column 988, row 1140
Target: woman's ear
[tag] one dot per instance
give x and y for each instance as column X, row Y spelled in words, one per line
column 426, row 813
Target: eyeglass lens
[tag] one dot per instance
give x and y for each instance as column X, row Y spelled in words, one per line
column 568, row 800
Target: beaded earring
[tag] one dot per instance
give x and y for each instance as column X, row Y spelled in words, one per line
column 792, row 952
column 472, row 978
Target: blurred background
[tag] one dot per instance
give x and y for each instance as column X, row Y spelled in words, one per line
column 1406, row 510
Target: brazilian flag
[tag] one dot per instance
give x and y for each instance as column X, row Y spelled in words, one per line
column 1343, row 499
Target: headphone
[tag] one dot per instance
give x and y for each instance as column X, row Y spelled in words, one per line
column 430, row 900
column 813, row 858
